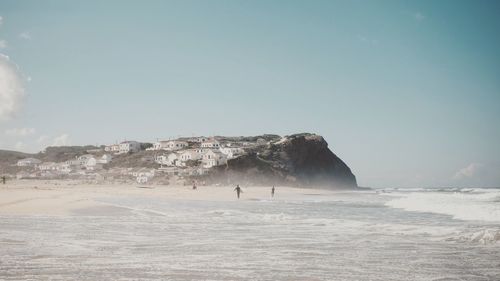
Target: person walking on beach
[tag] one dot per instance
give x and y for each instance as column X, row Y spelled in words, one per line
column 4, row 179
column 272, row 191
column 238, row 190
column 194, row 185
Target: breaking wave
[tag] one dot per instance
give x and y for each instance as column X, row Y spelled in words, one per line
column 464, row 204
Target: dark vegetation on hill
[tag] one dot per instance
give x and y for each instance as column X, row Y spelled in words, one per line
column 143, row 159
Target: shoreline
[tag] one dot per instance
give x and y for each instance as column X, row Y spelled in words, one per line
column 59, row 197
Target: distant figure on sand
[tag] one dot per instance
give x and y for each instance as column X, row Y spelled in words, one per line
column 272, row 191
column 4, row 179
column 194, row 185
column 238, row 190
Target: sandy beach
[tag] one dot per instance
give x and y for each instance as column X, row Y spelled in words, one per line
column 56, row 197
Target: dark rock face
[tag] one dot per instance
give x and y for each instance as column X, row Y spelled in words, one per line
column 298, row 160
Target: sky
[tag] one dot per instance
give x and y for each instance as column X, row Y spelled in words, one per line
column 407, row 93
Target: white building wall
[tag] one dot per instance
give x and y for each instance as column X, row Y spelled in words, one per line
column 129, row 146
column 28, row 162
column 210, row 144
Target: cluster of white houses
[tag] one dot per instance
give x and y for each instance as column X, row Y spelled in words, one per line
column 208, row 152
column 188, row 156
column 83, row 162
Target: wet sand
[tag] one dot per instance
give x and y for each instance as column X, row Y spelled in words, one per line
column 38, row 197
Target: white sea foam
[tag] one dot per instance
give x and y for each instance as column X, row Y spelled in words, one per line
column 345, row 236
column 465, row 204
column 484, row 236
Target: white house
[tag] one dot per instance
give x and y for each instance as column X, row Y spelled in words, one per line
column 232, row 152
column 198, row 139
column 84, row 158
column 159, row 145
column 59, row 166
column 74, row 162
column 211, row 143
column 170, row 145
column 129, row 146
column 115, row 148
column 172, row 159
column 28, row 162
column 201, row 150
column 47, row 166
column 142, row 179
column 176, row 145
column 105, row 159
column 213, row 158
column 190, row 154
column 65, row 168
column 168, row 160
column 195, row 139
column 143, row 175
column 93, row 164
column 159, row 158
column 90, row 164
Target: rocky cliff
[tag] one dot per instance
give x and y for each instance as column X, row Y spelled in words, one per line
column 298, row 160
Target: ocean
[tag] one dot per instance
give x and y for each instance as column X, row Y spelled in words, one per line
column 381, row 234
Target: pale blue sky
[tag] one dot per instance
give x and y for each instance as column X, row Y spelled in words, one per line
column 406, row 92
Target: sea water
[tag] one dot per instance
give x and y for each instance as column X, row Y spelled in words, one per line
column 384, row 234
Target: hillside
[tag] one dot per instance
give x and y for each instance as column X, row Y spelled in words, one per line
column 296, row 160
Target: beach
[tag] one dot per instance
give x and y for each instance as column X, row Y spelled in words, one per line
column 45, row 197
column 57, row 230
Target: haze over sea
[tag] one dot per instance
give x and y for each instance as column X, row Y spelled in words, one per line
column 382, row 234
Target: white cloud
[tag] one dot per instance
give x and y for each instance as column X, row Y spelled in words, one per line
column 20, row 132
column 478, row 174
column 42, row 139
column 11, row 88
column 419, row 16
column 3, row 44
column 1, row 20
column 61, row 140
column 472, row 170
column 25, row 35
